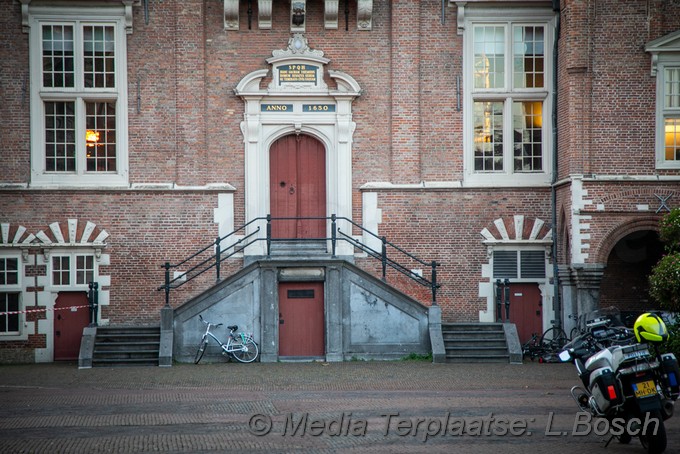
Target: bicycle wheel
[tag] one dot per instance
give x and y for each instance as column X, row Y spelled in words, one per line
column 574, row 332
column 201, row 349
column 554, row 339
column 246, row 353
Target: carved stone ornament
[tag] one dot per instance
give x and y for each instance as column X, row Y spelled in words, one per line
column 364, row 14
column 264, row 14
column 231, row 18
column 330, row 14
column 297, row 46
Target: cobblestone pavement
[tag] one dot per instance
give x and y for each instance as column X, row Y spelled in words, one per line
column 381, row 407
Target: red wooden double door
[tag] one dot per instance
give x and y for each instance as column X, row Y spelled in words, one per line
column 297, row 185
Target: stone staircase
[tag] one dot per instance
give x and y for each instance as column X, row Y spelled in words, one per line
column 126, row 346
column 475, row 343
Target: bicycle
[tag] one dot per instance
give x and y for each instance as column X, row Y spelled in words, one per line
column 533, row 348
column 240, row 346
column 545, row 347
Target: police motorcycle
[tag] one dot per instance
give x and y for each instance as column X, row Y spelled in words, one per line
column 625, row 379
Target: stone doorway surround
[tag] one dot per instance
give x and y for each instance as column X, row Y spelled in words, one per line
column 297, row 100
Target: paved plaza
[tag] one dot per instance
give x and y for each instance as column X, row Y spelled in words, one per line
column 381, row 407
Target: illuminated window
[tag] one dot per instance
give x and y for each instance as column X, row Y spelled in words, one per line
column 507, row 96
column 78, row 97
column 666, row 68
column 671, row 107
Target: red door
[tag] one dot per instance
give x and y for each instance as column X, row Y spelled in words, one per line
column 301, row 319
column 526, row 310
column 297, row 185
column 69, row 323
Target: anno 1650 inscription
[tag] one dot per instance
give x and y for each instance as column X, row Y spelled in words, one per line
column 297, row 73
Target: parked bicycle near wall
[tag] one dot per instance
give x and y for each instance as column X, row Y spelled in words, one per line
column 239, row 345
column 545, row 347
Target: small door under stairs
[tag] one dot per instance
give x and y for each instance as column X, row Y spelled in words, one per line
column 126, row 346
column 475, row 343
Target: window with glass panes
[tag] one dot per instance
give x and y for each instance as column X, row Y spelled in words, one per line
column 671, row 113
column 78, row 107
column 9, row 301
column 72, row 269
column 9, row 319
column 9, row 271
column 508, row 92
column 63, row 47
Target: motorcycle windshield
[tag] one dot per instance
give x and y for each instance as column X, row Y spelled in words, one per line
column 606, row 317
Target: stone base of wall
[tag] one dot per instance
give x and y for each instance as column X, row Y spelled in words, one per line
column 17, row 356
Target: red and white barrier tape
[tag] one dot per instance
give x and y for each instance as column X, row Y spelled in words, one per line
column 29, row 311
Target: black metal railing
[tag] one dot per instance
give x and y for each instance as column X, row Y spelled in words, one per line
column 388, row 254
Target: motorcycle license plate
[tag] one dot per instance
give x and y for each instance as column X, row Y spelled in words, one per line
column 644, row 389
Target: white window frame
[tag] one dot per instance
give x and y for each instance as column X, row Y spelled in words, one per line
column 96, row 15
column 14, row 288
column 666, row 61
column 529, row 16
column 72, row 255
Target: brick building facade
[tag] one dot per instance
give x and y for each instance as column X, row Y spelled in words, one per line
column 534, row 142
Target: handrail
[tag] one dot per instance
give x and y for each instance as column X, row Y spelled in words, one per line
column 215, row 260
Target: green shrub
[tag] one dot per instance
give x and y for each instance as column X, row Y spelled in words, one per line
column 664, row 282
column 673, row 344
column 669, row 230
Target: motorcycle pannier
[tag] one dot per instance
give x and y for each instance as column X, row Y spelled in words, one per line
column 671, row 374
column 605, row 389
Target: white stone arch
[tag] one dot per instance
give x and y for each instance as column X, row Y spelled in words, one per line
column 516, row 232
column 283, row 108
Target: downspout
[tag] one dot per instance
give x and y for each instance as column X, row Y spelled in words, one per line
column 553, row 190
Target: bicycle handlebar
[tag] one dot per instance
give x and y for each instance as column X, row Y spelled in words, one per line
column 208, row 323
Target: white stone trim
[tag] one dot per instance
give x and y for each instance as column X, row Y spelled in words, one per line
column 231, row 17
column 472, row 13
column 371, row 218
column 114, row 14
column 261, row 128
column 330, row 14
column 264, row 14
column 580, row 226
column 364, row 15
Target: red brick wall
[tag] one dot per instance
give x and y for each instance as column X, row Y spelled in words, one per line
column 184, row 129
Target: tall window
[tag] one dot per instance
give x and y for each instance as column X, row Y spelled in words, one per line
column 507, row 98
column 671, row 115
column 666, row 69
column 9, row 300
column 78, row 103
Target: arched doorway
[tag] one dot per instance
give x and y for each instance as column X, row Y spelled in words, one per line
column 297, row 187
column 625, row 281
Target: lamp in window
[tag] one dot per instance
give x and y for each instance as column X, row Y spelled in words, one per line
column 91, row 139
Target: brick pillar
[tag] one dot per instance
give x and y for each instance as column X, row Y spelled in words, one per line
column 405, row 37
column 193, row 163
column 576, row 85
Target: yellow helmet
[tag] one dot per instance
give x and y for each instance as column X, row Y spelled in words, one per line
column 650, row 328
